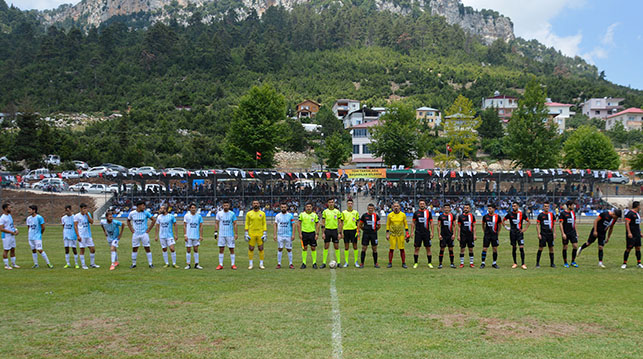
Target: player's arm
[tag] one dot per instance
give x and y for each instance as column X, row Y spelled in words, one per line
column 527, row 226
column 76, row 230
column 340, row 225
column 246, row 225
column 406, row 228
column 299, row 229
column 104, row 231
column 216, row 227
column 538, row 225
column 413, row 225
column 627, row 228
column 274, row 229
column 595, row 227
column 322, row 224
column 89, row 218
column 265, row 227
column 317, row 229
column 388, row 226
column 562, row 229
column 129, row 224
column 120, row 232
column 609, row 234
column 201, row 230
column 293, row 223
column 432, row 225
column 185, row 230
column 174, row 232
column 42, row 228
column 151, row 225
column 157, row 229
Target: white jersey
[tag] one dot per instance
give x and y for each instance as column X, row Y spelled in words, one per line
column 7, row 221
column 68, row 227
column 84, row 230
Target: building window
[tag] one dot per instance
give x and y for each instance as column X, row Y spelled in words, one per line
column 420, row 113
column 501, row 112
column 356, row 149
column 365, row 150
column 597, row 112
column 359, row 133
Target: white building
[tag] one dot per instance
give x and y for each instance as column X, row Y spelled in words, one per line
column 559, row 113
column 360, row 116
column 504, row 104
column 343, row 107
column 601, row 107
column 632, row 119
column 361, row 139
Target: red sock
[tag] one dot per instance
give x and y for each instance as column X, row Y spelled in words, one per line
column 390, row 256
column 403, row 255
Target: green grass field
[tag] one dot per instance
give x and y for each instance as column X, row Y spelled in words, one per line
column 389, row 313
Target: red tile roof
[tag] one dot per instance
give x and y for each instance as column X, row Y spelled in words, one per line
column 367, row 124
column 629, row 110
column 557, row 104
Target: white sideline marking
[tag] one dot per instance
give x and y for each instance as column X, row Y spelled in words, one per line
column 337, row 320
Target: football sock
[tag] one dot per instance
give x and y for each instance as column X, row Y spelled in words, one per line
column 565, row 256
column 67, row 258
column 522, row 256
column 82, row 259
column 196, row 258
column 483, row 256
column 290, row 257
column 441, row 256
column 540, row 252
column 390, row 255
column 279, row 254
column 600, row 255
column 626, row 254
column 134, row 255
column 471, row 258
column 356, row 253
column 551, row 258
column 75, row 258
column 403, row 256
column 232, row 258
column 304, row 257
column 363, row 256
column 34, row 256
column 461, row 258
column 325, row 255
column 92, row 257
column 251, row 254
column 428, row 258
column 187, row 257
column 585, row 245
column 313, row 253
column 165, row 258
column 250, row 262
column 6, row 261
column 495, row 257
column 415, row 258
column 261, row 255
column 451, row 256
column 338, row 258
column 375, row 257
column 638, row 256
column 149, row 257
column 513, row 253
column 573, row 255
column 13, row 261
column 221, row 256
column 346, row 252
column 113, row 257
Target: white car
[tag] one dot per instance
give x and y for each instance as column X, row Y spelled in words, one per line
column 76, row 187
column 154, row 187
column 70, row 174
column 53, row 160
column 176, row 171
column 114, row 188
column 51, row 182
column 97, row 188
column 97, row 171
column 146, row 170
column 81, row 165
column 619, row 180
column 35, row 174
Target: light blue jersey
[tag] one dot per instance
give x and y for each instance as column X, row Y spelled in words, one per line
column 7, row 221
column 226, row 223
column 35, row 227
column 139, row 221
column 193, row 223
column 68, row 227
column 285, row 223
column 166, row 225
column 84, row 230
column 112, row 229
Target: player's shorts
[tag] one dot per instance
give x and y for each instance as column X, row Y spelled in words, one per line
column 35, row 244
column 466, row 241
column 369, row 239
column 350, row 236
column 255, row 241
column 331, row 235
column 284, row 242
column 592, row 239
column 140, row 239
column 112, row 242
column 166, row 242
column 86, row 242
column 225, row 241
column 70, row 243
column 490, row 240
column 517, row 238
column 446, row 242
column 422, row 239
column 571, row 237
column 633, row 242
column 192, row 242
column 308, row 239
column 546, row 240
column 8, row 242
column 397, row 242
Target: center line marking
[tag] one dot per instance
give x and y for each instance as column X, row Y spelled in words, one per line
column 337, row 319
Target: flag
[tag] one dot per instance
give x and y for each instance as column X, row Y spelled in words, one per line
column 449, row 148
column 257, row 155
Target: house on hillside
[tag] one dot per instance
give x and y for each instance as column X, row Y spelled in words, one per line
column 602, row 107
column 559, row 113
column 307, row 109
column 361, row 139
column 343, row 107
column 428, row 115
column 632, row 119
column 504, row 104
column 362, row 115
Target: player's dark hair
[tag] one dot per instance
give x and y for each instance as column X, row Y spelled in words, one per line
column 191, row 204
column 492, row 205
column 446, row 205
column 569, row 203
column 331, row 199
column 517, row 203
column 546, row 202
column 635, row 204
column 67, row 207
column 421, row 201
column 5, row 205
column 226, row 201
column 371, row 205
column 34, row 208
column 618, row 213
column 140, row 202
column 349, row 200
column 308, row 203
column 83, row 205
column 109, row 213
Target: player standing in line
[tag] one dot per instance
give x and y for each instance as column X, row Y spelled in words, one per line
column 69, row 236
column 256, row 231
column 350, row 217
column 422, row 228
column 633, row 237
column 226, row 222
column 36, row 225
column 369, row 224
column 166, row 234
column 82, row 222
column 516, row 232
column 9, row 233
column 140, row 231
column 447, row 221
column 113, row 233
column 308, row 229
column 491, row 222
column 567, row 222
column 397, row 232
column 603, row 225
column 193, row 235
column 284, row 233
column 466, row 233
column 546, row 234
column 331, row 227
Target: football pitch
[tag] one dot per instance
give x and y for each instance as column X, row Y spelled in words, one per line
column 584, row 312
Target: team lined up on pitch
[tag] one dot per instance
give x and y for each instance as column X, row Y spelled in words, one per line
column 333, row 226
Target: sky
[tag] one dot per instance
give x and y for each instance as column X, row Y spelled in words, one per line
column 607, row 34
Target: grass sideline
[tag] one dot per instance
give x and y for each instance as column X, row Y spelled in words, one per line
column 414, row 313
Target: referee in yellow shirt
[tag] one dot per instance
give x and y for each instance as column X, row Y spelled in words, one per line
column 397, row 232
column 255, row 233
column 350, row 218
column 331, row 225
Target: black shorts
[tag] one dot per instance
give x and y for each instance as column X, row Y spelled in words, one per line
column 308, row 239
column 331, row 235
column 350, row 236
column 446, row 242
column 601, row 238
column 422, row 239
column 516, row 238
column 369, row 239
column 571, row 237
column 633, row 242
column 490, row 240
column 466, row 240
column 547, row 240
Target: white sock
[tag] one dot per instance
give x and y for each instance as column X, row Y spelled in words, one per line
column 13, row 261
column 187, row 257
column 134, row 255
column 6, row 261
column 461, row 260
column 232, row 258
column 113, row 257
column 165, row 257
column 174, row 258
column 471, row 259
column 82, row 259
column 35, row 258
column 196, row 257
column 250, row 261
column 290, row 257
column 67, row 258
column 44, row 255
column 260, row 262
column 149, row 257
column 92, row 258
column 279, row 254
column 76, row 259
column 220, row 259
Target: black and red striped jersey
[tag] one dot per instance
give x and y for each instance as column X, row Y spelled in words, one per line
column 568, row 218
column 516, row 219
column 422, row 220
column 491, row 223
column 546, row 220
column 466, row 222
column 447, row 221
column 371, row 221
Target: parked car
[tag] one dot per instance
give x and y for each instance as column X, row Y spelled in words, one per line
column 70, row 174
column 76, row 187
column 130, row 186
column 637, row 182
column 154, row 187
column 51, row 182
column 53, row 160
column 146, row 170
column 619, row 180
column 133, row 171
column 176, row 171
column 96, row 171
column 35, row 174
column 97, row 188
column 116, row 168
column 80, row 165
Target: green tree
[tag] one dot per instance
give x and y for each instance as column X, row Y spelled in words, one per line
column 588, row 148
column 490, row 125
column 26, row 145
column 398, row 138
column 460, row 128
column 254, row 128
column 336, row 150
column 328, row 122
column 532, row 139
column 636, row 161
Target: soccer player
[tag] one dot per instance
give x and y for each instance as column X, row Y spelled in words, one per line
column 226, row 223
column 193, row 234
column 491, row 222
column 36, row 225
column 166, row 234
column 397, row 231
column 603, row 225
column 516, row 232
column 331, row 227
column 69, row 236
column 546, row 234
column 308, row 231
column 284, row 233
column 567, row 222
column 466, row 233
column 82, row 222
column 633, row 229
column 369, row 224
column 446, row 220
column 350, row 218
column 140, row 231
column 256, row 231
column 422, row 228
column 9, row 233
column 113, row 233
